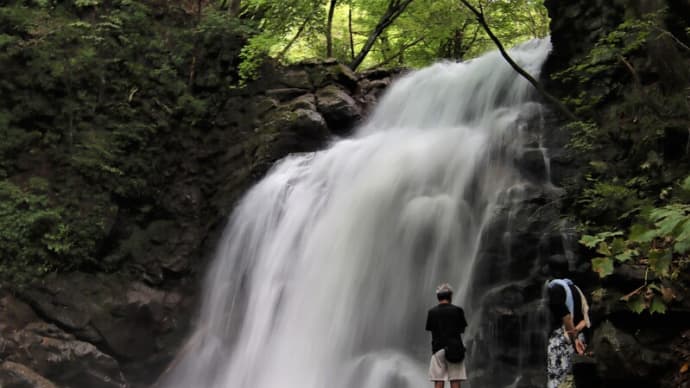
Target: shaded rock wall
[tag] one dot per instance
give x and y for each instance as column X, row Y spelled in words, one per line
column 630, row 349
column 530, row 241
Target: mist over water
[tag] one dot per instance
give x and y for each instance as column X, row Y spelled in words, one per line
column 328, row 265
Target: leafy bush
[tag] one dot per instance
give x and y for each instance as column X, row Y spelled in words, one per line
column 660, row 241
column 33, row 234
column 97, row 98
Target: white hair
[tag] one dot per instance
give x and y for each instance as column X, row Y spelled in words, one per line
column 444, row 288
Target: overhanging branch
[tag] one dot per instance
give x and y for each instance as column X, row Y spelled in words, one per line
column 479, row 14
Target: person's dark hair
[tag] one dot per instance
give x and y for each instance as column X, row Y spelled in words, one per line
column 444, row 296
column 444, row 292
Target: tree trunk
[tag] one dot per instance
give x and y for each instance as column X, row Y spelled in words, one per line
column 329, row 28
column 349, row 27
column 235, row 7
column 395, row 8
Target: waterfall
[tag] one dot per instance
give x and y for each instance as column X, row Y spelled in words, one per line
column 328, row 265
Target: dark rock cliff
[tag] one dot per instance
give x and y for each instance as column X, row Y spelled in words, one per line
column 629, row 349
column 533, row 236
column 122, row 329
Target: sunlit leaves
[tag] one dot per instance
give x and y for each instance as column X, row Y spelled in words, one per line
column 426, row 31
column 603, row 266
column 86, row 3
column 593, row 241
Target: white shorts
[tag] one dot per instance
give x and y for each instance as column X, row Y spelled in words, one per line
column 441, row 370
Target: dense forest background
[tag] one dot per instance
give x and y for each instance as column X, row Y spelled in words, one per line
column 130, row 128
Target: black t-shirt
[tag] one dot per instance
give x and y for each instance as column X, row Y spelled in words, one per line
column 558, row 308
column 445, row 321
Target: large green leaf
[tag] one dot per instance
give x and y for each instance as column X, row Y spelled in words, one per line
column 642, row 234
column 603, row 266
column 660, row 261
column 590, row 241
column 683, row 232
column 682, row 246
column 637, row 304
column 657, row 306
column 617, row 246
column 604, row 249
column 667, row 226
column 626, row 255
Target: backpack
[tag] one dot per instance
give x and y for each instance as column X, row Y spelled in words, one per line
column 455, row 350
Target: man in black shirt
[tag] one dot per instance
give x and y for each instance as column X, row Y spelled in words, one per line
column 446, row 322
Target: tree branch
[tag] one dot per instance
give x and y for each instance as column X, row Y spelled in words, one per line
column 395, row 8
column 399, row 53
column 479, row 14
column 663, row 32
column 349, row 27
column 294, row 38
column 632, row 71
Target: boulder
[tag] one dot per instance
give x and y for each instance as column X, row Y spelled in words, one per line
column 40, row 354
column 305, row 101
column 132, row 322
column 14, row 375
column 334, row 74
column 295, row 78
column 285, row 94
column 309, row 123
column 372, row 90
column 621, row 359
column 338, row 108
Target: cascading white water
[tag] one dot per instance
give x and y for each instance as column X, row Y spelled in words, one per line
column 328, row 265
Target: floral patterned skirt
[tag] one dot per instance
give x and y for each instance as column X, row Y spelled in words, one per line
column 558, row 366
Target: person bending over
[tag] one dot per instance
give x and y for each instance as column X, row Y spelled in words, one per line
column 569, row 312
column 446, row 322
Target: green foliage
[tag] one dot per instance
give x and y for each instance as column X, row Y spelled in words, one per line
column 607, row 200
column 585, row 136
column 660, row 241
column 86, row 3
column 94, row 97
column 33, row 234
column 427, row 31
column 628, row 37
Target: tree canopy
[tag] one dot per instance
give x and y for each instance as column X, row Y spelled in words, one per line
column 387, row 33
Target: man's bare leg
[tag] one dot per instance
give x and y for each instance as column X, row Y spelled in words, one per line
column 438, row 384
column 455, row 384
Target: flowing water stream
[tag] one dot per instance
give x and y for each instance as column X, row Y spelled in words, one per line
column 328, row 265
